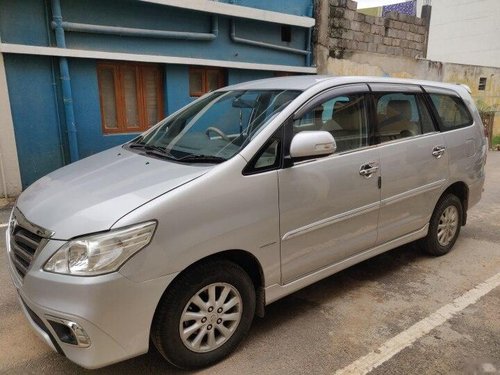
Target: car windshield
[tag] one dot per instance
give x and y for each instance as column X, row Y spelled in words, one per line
column 216, row 127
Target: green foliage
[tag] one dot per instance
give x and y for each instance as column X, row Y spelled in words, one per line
column 496, row 140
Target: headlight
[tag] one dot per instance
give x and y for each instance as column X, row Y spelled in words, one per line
column 100, row 253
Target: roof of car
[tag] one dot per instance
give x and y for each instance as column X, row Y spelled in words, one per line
column 303, row 82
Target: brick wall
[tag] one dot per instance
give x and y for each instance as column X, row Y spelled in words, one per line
column 395, row 34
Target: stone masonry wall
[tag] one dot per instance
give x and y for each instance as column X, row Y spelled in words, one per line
column 348, row 43
column 395, row 34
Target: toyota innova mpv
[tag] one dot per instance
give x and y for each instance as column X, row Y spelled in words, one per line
column 182, row 235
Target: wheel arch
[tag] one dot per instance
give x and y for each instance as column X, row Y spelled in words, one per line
column 248, row 262
column 461, row 190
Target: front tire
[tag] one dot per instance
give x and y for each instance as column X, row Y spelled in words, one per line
column 204, row 314
column 444, row 226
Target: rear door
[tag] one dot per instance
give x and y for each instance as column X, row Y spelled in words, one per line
column 462, row 138
column 413, row 159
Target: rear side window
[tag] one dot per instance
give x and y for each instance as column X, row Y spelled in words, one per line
column 451, row 111
column 401, row 115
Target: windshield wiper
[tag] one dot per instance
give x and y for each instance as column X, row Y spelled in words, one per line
column 202, row 159
column 136, row 145
column 153, row 150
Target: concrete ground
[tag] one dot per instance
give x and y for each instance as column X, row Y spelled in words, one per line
column 333, row 323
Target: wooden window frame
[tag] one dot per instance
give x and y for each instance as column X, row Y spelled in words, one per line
column 121, row 118
column 204, row 79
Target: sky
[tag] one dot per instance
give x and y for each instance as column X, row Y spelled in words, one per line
column 375, row 3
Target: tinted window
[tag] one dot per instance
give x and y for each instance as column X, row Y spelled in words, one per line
column 401, row 115
column 451, row 111
column 343, row 116
column 215, row 127
column 269, row 156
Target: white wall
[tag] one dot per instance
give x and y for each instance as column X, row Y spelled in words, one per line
column 10, row 180
column 465, row 31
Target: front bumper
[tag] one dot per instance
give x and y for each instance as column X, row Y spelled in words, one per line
column 115, row 312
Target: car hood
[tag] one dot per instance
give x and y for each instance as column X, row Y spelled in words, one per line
column 92, row 194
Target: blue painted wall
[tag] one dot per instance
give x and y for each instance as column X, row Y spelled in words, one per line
column 158, row 17
column 177, row 87
column 24, row 22
column 295, row 7
column 239, row 75
column 34, row 84
column 35, row 115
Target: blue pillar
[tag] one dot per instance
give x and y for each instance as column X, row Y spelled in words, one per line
column 309, row 56
column 65, row 82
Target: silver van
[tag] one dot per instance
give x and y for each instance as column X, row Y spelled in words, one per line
column 182, row 235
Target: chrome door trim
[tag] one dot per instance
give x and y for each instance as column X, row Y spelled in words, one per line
column 411, row 193
column 407, row 139
column 276, row 291
column 330, row 220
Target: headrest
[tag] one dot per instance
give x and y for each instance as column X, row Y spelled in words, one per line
column 346, row 115
column 399, row 107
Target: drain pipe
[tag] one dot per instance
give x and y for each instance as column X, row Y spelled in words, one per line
column 309, row 42
column 2, row 174
column 257, row 43
column 135, row 32
column 310, row 11
column 65, row 82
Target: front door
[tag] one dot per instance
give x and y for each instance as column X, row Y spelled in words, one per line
column 329, row 207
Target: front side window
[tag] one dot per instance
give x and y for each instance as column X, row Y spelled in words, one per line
column 451, row 111
column 216, row 127
column 131, row 96
column 343, row 116
column 401, row 115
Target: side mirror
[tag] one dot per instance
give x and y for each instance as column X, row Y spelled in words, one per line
column 312, row 144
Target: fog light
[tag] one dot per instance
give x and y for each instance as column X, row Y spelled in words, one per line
column 69, row 332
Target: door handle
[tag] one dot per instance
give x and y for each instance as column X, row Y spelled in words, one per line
column 367, row 170
column 438, row 151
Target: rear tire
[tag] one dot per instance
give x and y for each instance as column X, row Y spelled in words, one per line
column 444, row 226
column 195, row 325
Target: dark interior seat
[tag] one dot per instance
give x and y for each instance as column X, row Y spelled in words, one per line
column 344, row 126
column 397, row 121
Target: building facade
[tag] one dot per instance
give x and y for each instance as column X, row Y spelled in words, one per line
column 464, row 32
column 78, row 77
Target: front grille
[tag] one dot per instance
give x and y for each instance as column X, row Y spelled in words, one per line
column 24, row 245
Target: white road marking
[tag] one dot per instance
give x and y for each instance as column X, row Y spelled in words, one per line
column 406, row 338
column 4, row 225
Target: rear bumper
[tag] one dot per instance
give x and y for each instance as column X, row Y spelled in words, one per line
column 475, row 192
column 115, row 312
